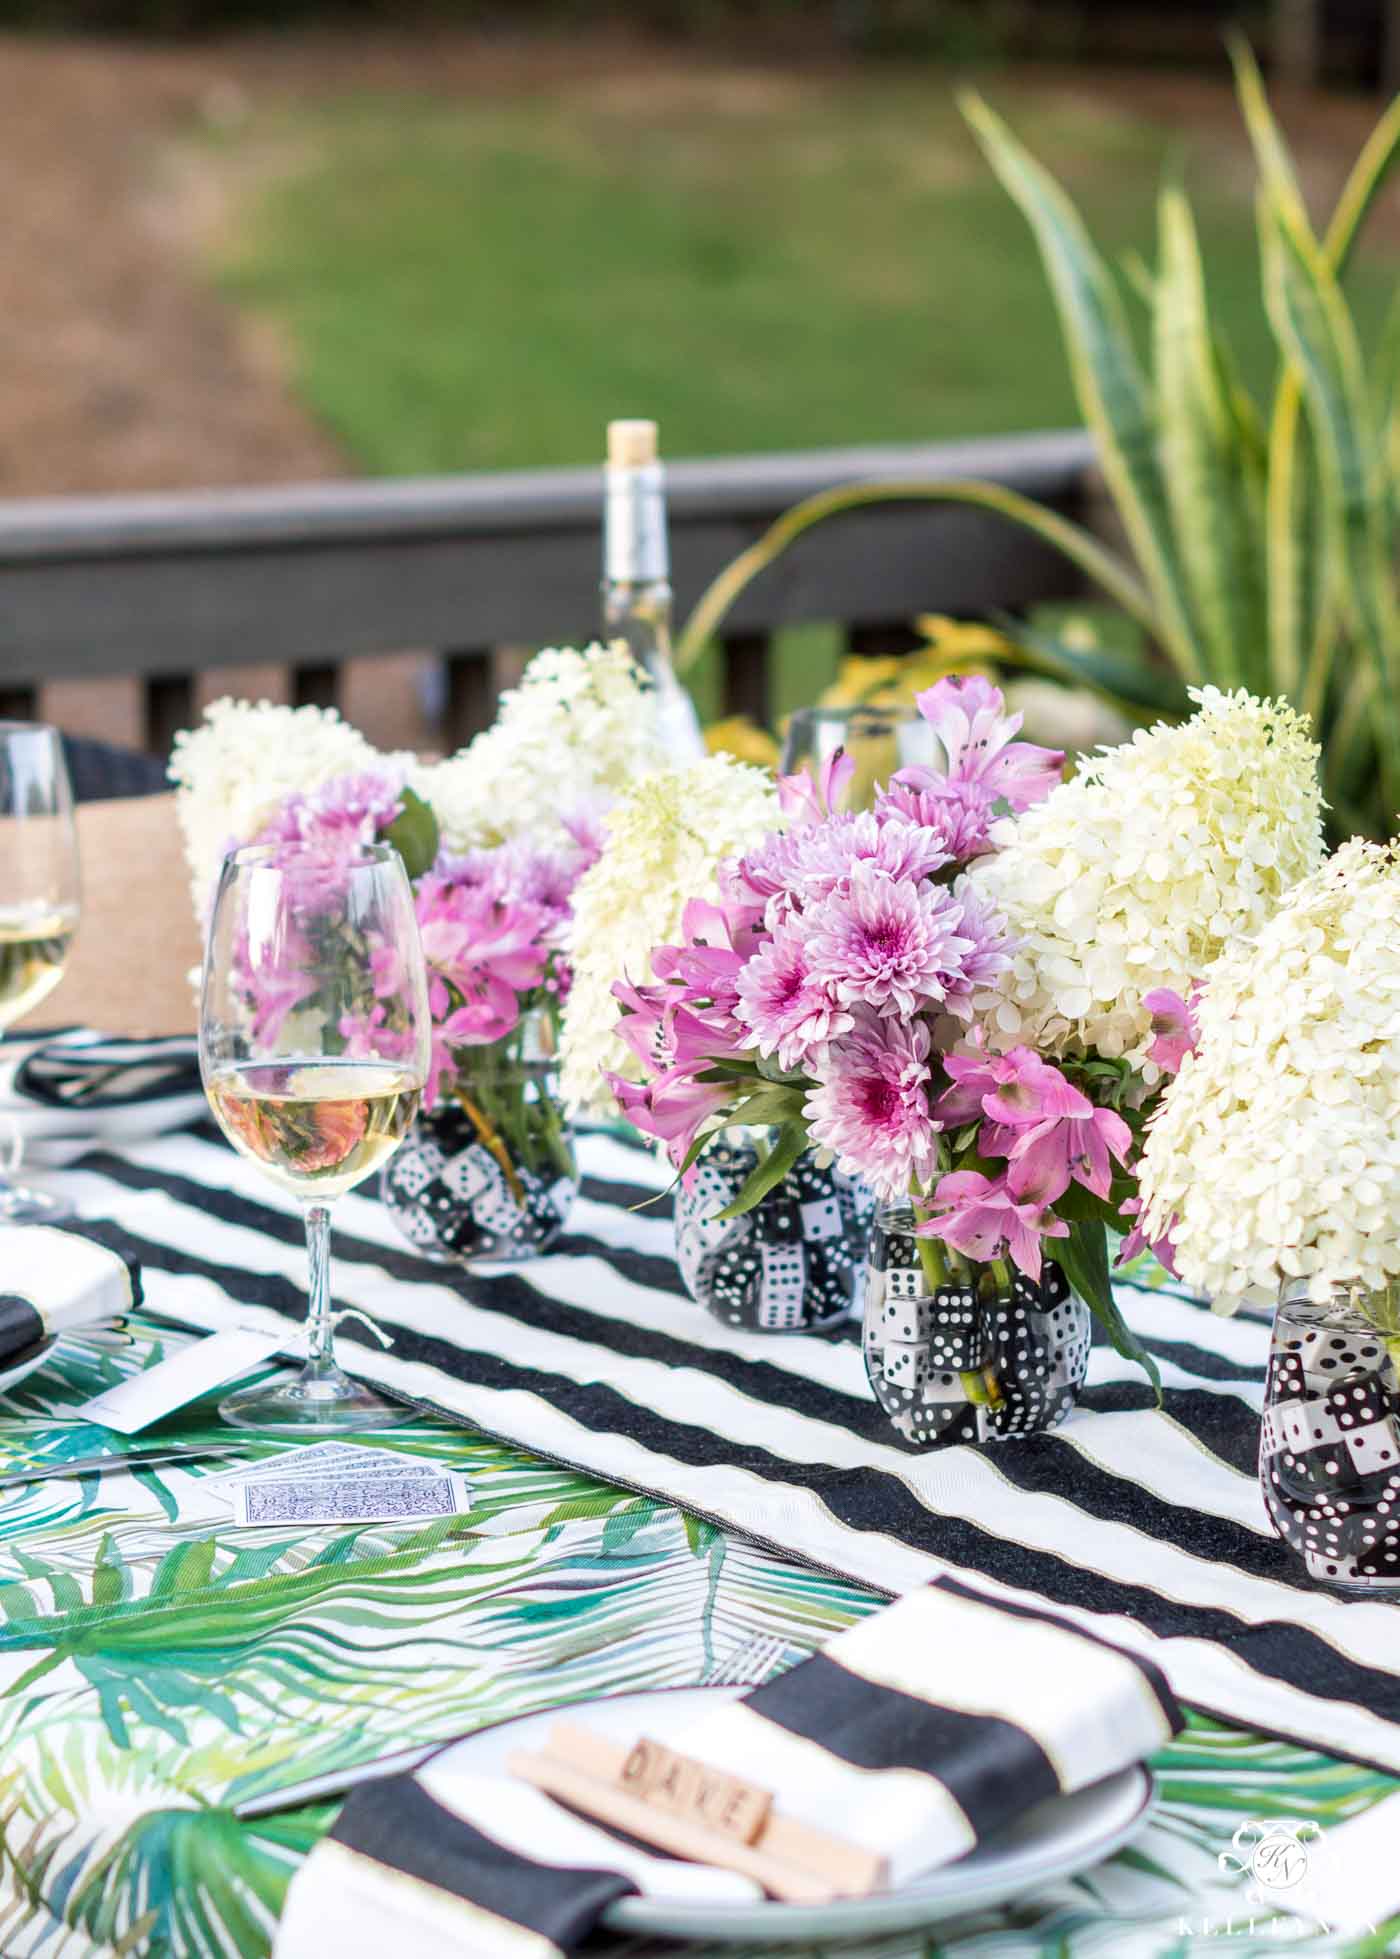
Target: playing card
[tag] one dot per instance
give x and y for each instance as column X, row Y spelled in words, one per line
column 350, row 1500
column 323, row 1459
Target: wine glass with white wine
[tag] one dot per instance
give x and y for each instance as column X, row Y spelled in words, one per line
column 313, row 1044
column 38, row 910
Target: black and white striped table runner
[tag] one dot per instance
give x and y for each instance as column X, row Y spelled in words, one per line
column 1144, row 1525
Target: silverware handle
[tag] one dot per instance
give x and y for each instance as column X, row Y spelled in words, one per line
column 134, row 1459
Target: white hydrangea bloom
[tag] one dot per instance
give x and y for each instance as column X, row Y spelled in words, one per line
column 665, row 841
column 1275, row 1154
column 577, row 730
column 1142, row 869
column 233, row 770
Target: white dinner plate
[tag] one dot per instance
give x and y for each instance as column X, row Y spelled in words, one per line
column 27, row 1364
column 1057, row 1839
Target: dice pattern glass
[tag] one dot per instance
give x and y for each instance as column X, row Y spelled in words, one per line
column 971, row 1361
column 1329, row 1446
column 474, row 1182
column 795, row 1263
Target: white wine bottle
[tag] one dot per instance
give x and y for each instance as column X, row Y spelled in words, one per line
column 637, row 578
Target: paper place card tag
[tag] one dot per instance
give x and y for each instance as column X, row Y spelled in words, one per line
column 350, row 1500
column 689, row 1788
column 135, row 1403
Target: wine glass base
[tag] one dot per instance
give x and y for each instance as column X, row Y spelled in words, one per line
column 318, row 1402
column 21, row 1205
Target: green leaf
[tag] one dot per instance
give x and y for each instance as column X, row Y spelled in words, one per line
column 1112, row 391
column 1083, row 1257
column 699, row 1534
column 414, row 834
column 790, row 1144
column 769, row 1108
column 1385, row 396
column 1312, row 322
column 1203, row 460
column 1139, row 683
column 1102, row 567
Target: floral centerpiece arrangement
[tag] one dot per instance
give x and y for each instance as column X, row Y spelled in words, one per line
column 1273, row 1165
column 971, row 996
column 495, row 841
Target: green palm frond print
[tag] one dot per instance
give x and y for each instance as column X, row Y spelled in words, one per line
column 157, row 1666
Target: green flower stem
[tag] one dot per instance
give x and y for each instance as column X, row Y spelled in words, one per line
column 941, row 1265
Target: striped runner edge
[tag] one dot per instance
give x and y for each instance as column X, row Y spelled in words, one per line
column 1144, row 1525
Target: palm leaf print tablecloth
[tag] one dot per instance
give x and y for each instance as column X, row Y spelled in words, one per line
column 1145, row 1523
column 157, row 1665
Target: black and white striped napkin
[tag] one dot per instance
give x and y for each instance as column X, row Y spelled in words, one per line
column 53, row 1281
column 918, row 1734
column 81, row 1085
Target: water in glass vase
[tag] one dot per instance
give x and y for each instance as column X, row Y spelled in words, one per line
column 34, row 944
column 317, row 1128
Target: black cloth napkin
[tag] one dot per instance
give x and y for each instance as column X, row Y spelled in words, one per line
column 78, row 1084
column 53, row 1280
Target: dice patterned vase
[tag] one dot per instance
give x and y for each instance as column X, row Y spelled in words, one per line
column 458, row 1200
column 967, row 1362
column 793, row 1264
column 1329, row 1449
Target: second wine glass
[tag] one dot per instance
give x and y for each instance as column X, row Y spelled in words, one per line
column 313, row 1044
column 38, row 912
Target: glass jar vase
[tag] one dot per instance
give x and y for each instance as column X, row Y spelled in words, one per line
column 795, row 1263
column 488, row 1174
column 981, row 1354
column 1329, row 1445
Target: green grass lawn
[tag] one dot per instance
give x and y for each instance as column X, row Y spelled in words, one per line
column 761, row 263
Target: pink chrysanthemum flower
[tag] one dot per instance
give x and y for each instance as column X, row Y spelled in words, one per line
column 885, row 943
column 960, row 813
column 788, row 1012
column 348, row 812
column 871, row 1104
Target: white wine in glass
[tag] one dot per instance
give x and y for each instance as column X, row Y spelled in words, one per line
column 38, row 909
column 313, row 1044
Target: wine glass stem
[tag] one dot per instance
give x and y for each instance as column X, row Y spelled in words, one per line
column 320, row 1329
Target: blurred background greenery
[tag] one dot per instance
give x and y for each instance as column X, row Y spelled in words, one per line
column 259, row 240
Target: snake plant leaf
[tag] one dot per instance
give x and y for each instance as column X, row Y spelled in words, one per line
column 1311, row 320
column 1112, row 391
column 1385, row 399
column 1365, row 179
column 1102, row 567
column 1203, row 462
column 1290, row 521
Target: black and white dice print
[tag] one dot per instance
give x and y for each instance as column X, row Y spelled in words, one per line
column 1041, row 1337
column 793, row 1264
column 918, row 1347
column 1329, row 1455
column 451, row 1199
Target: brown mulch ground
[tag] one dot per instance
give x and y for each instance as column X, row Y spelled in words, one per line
column 122, row 369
